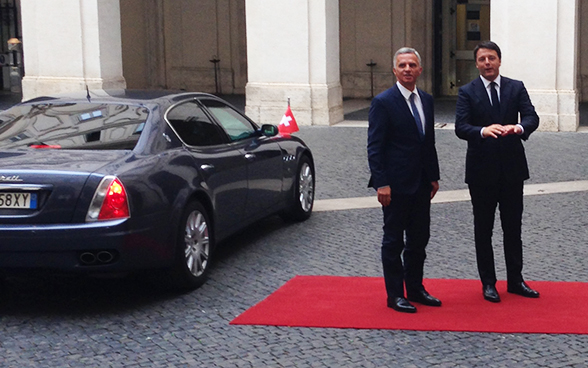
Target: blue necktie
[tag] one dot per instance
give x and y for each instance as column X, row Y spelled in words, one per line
column 495, row 101
column 417, row 116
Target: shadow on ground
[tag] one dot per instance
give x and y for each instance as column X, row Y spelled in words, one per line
column 42, row 294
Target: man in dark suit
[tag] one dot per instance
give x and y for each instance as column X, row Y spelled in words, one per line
column 487, row 117
column 405, row 172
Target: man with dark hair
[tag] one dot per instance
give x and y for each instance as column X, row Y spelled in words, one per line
column 488, row 45
column 487, row 117
column 405, row 172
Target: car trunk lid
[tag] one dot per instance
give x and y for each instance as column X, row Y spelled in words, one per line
column 48, row 186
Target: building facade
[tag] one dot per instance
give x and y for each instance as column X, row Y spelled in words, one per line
column 313, row 53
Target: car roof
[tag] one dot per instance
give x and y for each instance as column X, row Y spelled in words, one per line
column 120, row 95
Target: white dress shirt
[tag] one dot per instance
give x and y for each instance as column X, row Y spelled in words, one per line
column 489, row 92
column 417, row 101
column 489, row 89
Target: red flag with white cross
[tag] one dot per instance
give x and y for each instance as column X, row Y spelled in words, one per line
column 288, row 123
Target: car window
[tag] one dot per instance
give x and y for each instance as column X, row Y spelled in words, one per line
column 101, row 126
column 193, row 126
column 235, row 125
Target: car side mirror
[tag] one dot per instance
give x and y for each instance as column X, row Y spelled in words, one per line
column 269, row 130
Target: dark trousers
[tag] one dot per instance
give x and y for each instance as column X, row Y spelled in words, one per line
column 407, row 215
column 509, row 198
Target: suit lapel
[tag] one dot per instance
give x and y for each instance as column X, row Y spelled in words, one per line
column 428, row 110
column 505, row 95
column 401, row 103
column 482, row 94
column 406, row 116
column 402, row 108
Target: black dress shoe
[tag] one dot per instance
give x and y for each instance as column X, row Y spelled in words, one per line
column 491, row 294
column 401, row 305
column 521, row 288
column 424, row 298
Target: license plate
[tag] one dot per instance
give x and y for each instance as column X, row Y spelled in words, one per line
column 18, row 200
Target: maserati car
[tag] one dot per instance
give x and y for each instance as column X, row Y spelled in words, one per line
column 115, row 182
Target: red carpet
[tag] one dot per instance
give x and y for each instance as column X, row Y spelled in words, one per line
column 360, row 302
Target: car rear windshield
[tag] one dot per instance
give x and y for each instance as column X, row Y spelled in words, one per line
column 98, row 126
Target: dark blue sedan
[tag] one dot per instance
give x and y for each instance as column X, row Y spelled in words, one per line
column 110, row 183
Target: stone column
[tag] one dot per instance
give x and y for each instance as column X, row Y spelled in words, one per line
column 538, row 40
column 293, row 52
column 71, row 44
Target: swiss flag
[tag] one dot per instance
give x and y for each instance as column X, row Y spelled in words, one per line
column 288, row 124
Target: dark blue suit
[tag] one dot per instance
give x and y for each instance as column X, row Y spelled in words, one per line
column 496, row 169
column 401, row 158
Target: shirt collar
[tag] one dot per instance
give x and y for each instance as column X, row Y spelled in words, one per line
column 405, row 92
column 487, row 82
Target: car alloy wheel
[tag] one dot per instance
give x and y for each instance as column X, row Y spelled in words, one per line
column 302, row 194
column 197, row 243
column 306, row 187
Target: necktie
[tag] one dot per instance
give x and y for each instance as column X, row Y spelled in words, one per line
column 417, row 116
column 495, row 102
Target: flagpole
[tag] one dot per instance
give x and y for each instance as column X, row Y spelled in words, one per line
column 288, row 101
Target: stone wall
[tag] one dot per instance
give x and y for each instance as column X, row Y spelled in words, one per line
column 372, row 31
column 170, row 44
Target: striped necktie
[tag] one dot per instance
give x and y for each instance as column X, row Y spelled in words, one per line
column 415, row 113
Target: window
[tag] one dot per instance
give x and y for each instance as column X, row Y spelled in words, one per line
column 98, row 126
column 193, row 126
column 236, row 126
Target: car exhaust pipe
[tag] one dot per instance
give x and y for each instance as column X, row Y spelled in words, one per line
column 104, row 257
column 97, row 257
column 87, row 258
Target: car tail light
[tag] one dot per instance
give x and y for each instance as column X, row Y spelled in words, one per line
column 44, row 146
column 110, row 201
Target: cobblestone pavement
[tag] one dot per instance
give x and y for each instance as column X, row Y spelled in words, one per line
column 61, row 322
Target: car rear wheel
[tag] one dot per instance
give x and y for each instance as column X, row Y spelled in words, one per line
column 194, row 247
column 302, row 192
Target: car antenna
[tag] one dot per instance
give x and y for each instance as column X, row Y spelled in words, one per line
column 88, row 93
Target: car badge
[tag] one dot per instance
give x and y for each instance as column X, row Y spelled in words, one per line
column 10, row 178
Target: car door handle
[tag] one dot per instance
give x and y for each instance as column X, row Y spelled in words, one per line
column 249, row 156
column 207, row 167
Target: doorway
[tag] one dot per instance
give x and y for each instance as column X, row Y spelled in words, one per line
column 459, row 26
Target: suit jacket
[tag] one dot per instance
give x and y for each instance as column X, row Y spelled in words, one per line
column 489, row 160
column 397, row 154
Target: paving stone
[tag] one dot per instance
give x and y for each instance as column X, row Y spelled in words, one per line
column 62, row 322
